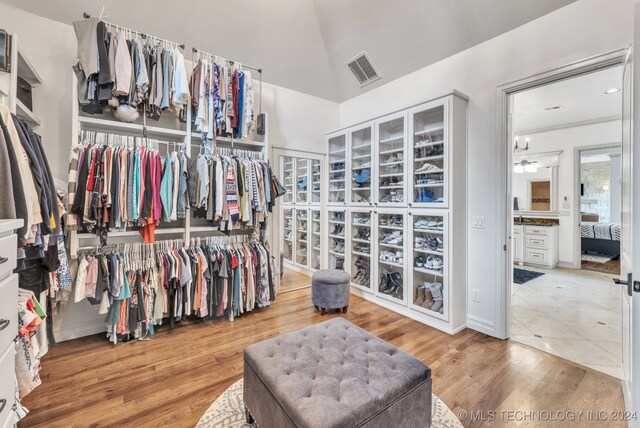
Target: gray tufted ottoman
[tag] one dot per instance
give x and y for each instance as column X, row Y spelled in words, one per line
column 330, row 290
column 332, row 375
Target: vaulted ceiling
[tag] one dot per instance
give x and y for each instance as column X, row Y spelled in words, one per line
column 303, row 44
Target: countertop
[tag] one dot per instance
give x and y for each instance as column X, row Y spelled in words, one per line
column 536, row 221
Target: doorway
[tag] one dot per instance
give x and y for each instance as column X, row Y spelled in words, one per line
column 299, row 217
column 556, row 305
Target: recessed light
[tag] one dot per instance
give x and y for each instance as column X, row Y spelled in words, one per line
column 612, row 91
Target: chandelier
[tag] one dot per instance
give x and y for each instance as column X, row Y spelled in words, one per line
column 520, row 149
column 525, row 166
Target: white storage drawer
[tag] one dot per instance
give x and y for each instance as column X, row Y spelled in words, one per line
column 541, row 242
column 8, row 311
column 8, row 254
column 536, row 230
column 7, row 386
column 536, row 256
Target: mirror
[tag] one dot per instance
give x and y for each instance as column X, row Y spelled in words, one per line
column 535, row 182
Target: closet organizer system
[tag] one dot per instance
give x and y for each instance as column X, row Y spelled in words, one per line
column 196, row 186
column 33, row 260
column 397, row 196
column 300, row 213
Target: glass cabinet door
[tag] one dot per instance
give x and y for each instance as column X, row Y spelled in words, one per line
column 302, row 236
column 337, row 231
column 429, row 150
column 288, row 222
column 337, row 169
column 302, row 181
column 361, row 237
column 314, row 262
column 391, row 159
column 429, row 249
column 315, row 181
column 361, row 169
column 391, row 256
column 288, row 178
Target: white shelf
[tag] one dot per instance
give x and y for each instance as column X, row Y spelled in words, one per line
column 361, row 157
column 337, row 180
column 357, row 189
column 337, row 170
column 336, row 237
column 392, row 163
column 337, row 152
column 392, row 187
column 434, row 128
column 26, row 114
column 341, row 255
column 336, row 221
column 397, row 247
column 383, row 226
column 27, row 71
column 434, row 143
column 387, row 152
column 111, row 125
column 395, row 174
column 126, row 233
column 431, row 171
column 436, row 231
column 391, row 139
column 390, row 264
column 429, row 158
column 428, row 271
column 357, row 253
column 420, row 186
column 431, row 252
column 363, row 241
column 226, row 141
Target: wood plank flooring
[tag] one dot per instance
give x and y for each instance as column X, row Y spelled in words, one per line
column 173, row 378
column 611, row 267
column 292, row 280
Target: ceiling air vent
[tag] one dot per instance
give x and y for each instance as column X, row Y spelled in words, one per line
column 363, row 69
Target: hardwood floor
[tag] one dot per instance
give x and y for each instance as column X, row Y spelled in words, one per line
column 292, row 280
column 173, row 378
column 611, row 267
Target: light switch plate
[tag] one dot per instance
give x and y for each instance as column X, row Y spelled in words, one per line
column 478, row 222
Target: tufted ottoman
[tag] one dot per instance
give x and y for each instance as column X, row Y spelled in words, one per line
column 332, row 375
column 330, row 290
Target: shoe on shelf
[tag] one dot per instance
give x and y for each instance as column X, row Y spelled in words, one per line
column 364, row 175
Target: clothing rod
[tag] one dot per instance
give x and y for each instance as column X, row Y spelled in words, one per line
column 196, row 50
column 143, row 35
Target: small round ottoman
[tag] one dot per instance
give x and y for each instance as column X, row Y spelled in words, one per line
column 330, row 290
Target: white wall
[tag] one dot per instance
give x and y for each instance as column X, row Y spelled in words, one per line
column 615, row 192
column 575, row 32
column 296, row 121
column 567, row 140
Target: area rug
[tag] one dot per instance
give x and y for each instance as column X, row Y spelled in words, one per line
column 520, row 276
column 598, row 258
column 228, row 412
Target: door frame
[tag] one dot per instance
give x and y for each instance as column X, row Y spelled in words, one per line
column 577, row 175
column 504, row 156
column 277, row 153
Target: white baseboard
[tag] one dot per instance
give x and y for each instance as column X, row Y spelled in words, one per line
column 80, row 330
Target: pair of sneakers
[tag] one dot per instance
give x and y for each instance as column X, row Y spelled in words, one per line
column 393, row 257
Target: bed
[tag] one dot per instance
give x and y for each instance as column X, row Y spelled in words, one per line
column 601, row 238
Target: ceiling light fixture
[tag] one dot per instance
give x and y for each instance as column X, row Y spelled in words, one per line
column 612, row 91
column 520, row 149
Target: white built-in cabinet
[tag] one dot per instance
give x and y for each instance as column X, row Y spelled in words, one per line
column 299, row 212
column 397, row 187
column 536, row 245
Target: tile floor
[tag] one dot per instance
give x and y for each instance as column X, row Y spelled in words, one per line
column 574, row 314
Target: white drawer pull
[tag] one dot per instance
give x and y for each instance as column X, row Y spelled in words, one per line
column 4, row 324
column 3, row 403
column 3, row 260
